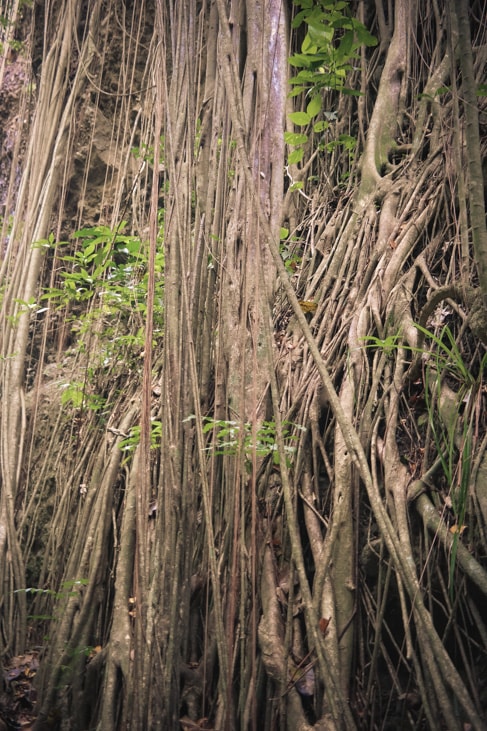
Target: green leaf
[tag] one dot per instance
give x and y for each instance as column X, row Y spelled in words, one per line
column 74, row 582
column 294, row 138
column 89, row 250
column 301, row 119
column 296, row 91
column 295, row 156
column 103, row 231
column 299, row 18
column 364, row 37
column 301, row 60
column 303, row 77
column 308, row 47
column 319, row 34
column 283, row 233
column 351, row 92
column 314, row 106
column 347, row 141
column 73, row 394
column 346, row 48
column 321, row 126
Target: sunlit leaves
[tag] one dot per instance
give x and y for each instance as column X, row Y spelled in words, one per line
column 132, row 440
column 294, row 138
column 331, row 44
column 314, row 106
column 231, row 437
column 295, row 156
column 110, row 264
column 300, row 118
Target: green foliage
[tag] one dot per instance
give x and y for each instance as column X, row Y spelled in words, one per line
column 229, row 436
column 109, row 264
column 5, row 22
column 347, row 142
column 67, row 590
column 132, row 441
column 332, row 41
column 451, row 430
column 76, row 394
column 388, row 345
column 289, row 251
column 30, row 305
column 108, row 275
column 329, row 49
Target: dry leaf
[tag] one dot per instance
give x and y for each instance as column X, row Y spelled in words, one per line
column 323, row 623
column 308, row 306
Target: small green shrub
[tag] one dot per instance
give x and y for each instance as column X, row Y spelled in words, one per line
column 227, row 436
column 329, row 49
column 132, row 441
column 103, row 290
column 450, row 429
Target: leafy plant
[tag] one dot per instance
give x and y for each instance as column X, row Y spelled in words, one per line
column 109, row 271
column 132, row 441
column 332, row 41
column 450, row 429
column 329, row 48
column 289, row 251
column 67, row 590
column 227, row 435
column 109, row 263
column 76, row 395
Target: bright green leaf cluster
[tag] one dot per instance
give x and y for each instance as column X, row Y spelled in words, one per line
column 331, row 45
column 76, row 394
column 109, row 270
column 132, row 441
column 110, row 264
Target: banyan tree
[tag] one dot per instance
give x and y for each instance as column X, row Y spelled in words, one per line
column 243, row 344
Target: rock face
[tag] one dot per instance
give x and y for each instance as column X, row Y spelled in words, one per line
column 15, row 110
column 111, row 165
column 101, row 167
